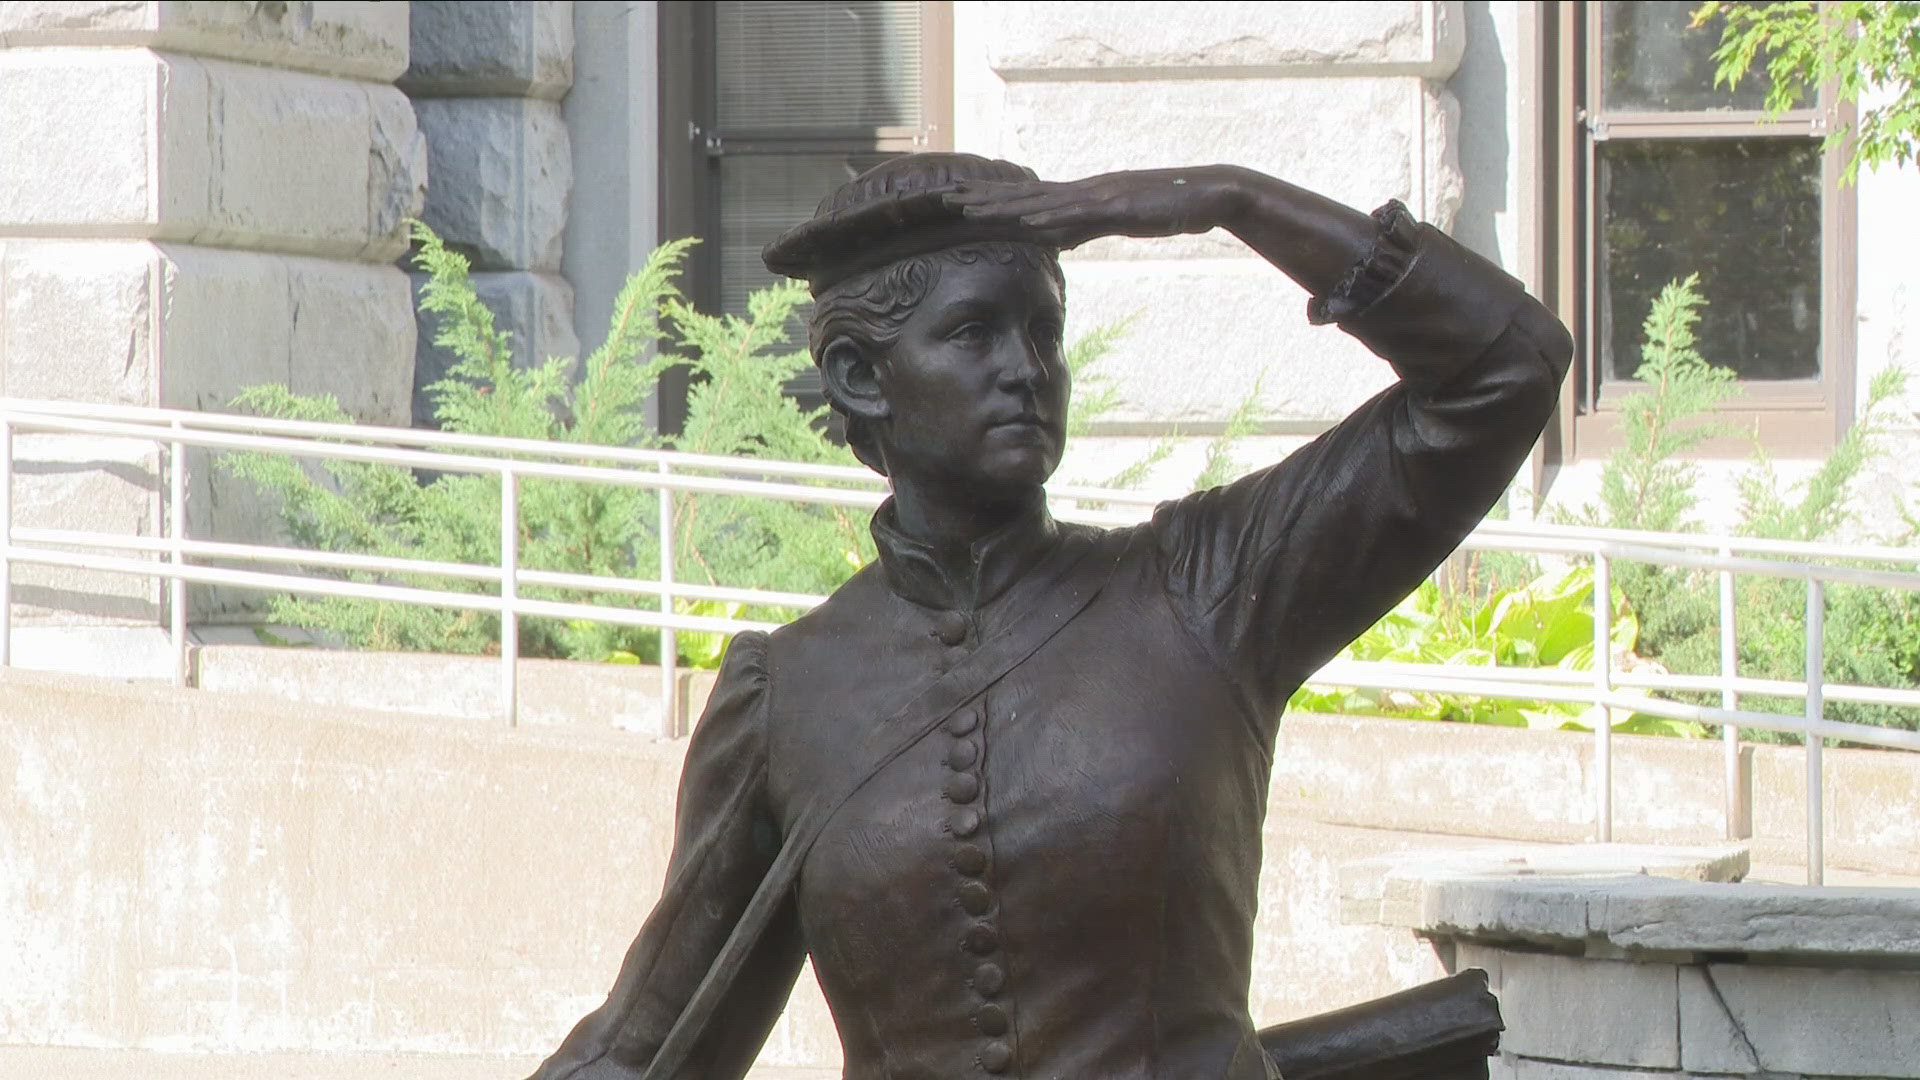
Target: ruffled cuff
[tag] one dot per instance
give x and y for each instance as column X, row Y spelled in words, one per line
column 1395, row 243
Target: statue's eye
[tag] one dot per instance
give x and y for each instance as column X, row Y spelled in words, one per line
column 970, row 334
column 1048, row 333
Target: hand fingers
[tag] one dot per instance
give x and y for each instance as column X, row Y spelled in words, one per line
column 984, row 192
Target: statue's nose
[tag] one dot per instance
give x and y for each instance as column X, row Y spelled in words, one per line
column 1023, row 365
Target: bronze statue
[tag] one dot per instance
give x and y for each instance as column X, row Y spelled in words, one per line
column 1006, row 786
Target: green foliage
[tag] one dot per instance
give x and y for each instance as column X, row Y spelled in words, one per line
column 736, row 408
column 1219, row 467
column 1855, row 45
column 1646, row 483
column 1873, row 635
column 1546, row 622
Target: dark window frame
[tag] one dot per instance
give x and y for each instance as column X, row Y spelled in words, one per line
column 1787, row 417
column 692, row 144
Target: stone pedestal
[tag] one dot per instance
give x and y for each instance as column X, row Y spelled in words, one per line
column 1615, row 961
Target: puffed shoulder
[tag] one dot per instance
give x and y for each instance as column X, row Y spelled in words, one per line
column 731, row 731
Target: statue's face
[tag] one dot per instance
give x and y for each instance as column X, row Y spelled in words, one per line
column 975, row 386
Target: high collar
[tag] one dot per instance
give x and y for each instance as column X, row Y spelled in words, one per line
column 996, row 560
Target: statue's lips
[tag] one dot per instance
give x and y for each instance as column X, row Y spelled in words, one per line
column 1024, row 422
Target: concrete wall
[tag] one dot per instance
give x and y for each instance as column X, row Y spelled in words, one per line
column 202, row 870
column 194, row 197
column 486, row 81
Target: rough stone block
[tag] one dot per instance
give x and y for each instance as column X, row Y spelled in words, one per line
column 520, row 48
column 162, row 146
column 361, row 41
column 310, row 165
column 537, row 309
column 1257, row 331
column 502, row 171
column 1710, row 1041
column 1600, row 1011
column 1300, row 129
column 47, row 351
column 88, row 118
column 89, row 484
column 1802, row 1020
column 353, row 336
column 1079, row 41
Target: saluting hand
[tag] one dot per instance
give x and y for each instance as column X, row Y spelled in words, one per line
column 1151, row 202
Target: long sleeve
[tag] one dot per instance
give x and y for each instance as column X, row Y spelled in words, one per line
column 1276, row 572
column 725, row 840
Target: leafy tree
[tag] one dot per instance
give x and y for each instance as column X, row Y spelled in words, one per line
column 1857, row 45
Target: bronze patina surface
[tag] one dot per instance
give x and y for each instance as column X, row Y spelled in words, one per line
column 1006, row 786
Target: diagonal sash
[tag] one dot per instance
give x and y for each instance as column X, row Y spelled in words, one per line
column 1063, row 591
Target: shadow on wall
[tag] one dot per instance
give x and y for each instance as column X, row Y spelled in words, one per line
column 1486, row 154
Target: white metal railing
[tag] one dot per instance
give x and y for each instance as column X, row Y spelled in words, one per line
column 180, row 560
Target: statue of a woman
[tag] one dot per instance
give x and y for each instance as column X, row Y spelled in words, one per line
column 1006, row 786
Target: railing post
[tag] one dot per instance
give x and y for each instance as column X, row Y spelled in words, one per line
column 1739, row 800
column 177, row 532
column 1816, row 708
column 669, row 641
column 6, row 542
column 509, row 596
column 1603, row 682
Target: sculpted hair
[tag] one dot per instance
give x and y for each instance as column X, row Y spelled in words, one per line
column 871, row 308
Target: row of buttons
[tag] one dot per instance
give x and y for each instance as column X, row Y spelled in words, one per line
column 981, row 938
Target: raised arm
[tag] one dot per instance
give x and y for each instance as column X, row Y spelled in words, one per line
column 1310, row 237
column 1279, row 570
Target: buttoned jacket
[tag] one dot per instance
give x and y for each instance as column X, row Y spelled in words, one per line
column 1060, row 880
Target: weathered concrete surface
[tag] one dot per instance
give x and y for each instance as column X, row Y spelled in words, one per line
column 502, row 173
column 356, row 40
column 518, row 48
column 552, row 692
column 191, row 869
column 1392, row 775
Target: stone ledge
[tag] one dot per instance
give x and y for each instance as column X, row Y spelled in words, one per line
column 1121, row 41
column 360, row 41
column 1624, row 900
column 514, row 48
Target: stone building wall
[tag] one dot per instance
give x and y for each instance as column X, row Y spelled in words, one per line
column 196, row 197
column 1079, row 89
column 486, row 82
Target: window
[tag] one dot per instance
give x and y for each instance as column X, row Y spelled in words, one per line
column 1662, row 174
column 780, row 101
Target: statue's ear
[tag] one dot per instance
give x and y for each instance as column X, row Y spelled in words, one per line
column 848, row 373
